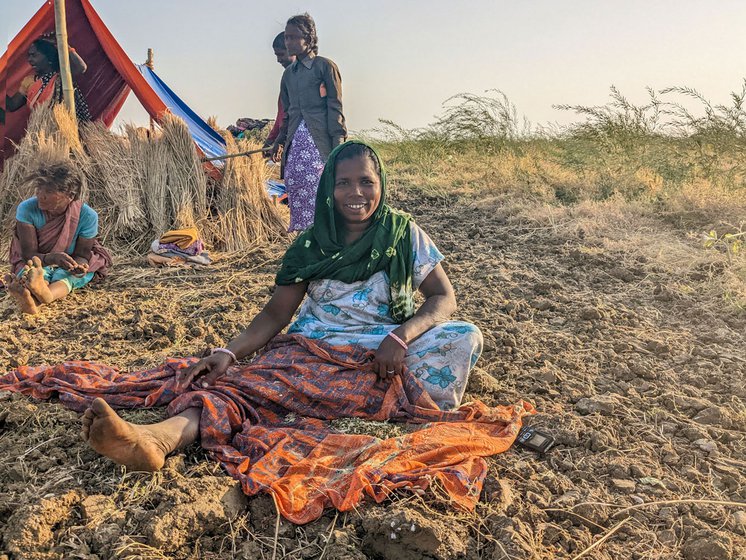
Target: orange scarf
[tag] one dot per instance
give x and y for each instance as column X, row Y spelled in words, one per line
column 37, row 93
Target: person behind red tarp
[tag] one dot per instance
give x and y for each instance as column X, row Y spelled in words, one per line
column 45, row 84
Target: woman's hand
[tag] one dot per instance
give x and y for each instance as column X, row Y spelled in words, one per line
column 26, row 83
column 62, row 260
column 81, row 269
column 212, row 367
column 389, row 359
column 276, row 152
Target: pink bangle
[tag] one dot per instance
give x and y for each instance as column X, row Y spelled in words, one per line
column 224, row 351
column 399, row 340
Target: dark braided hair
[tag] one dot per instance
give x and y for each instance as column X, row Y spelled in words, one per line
column 61, row 177
column 307, row 27
column 45, row 45
column 352, row 151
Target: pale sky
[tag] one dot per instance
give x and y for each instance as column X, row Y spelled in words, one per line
column 400, row 59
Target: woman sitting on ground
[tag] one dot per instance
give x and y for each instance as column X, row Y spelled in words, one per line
column 359, row 266
column 44, row 84
column 54, row 249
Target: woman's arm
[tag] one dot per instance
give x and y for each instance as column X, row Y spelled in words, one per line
column 275, row 132
column 18, row 99
column 83, row 249
column 439, row 305
column 335, row 120
column 283, row 132
column 29, row 242
column 30, row 248
column 15, row 101
column 77, row 64
column 267, row 324
column 82, row 255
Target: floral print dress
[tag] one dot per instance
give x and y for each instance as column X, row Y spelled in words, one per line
column 302, row 174
column 358, row 313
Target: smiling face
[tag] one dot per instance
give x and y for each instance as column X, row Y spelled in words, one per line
column 295, row 41
column 52, row 201
column 357, row 190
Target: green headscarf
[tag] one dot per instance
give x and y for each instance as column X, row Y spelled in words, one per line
column 320, row 252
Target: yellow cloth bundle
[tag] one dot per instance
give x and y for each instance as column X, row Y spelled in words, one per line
column 183, row 238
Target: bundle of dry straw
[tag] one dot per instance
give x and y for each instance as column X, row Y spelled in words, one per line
column 245, row 213
column 145, row 182
column 51, row 135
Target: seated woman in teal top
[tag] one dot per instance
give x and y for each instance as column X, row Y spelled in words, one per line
column 54, row 250
column 29, row 212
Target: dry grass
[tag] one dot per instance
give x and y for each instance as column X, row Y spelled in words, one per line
column 110, row 166
column 187, row 182
column 147, row 157
column 245, row 213
column 51, row 136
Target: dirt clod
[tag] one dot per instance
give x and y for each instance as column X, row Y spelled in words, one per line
column 625, row 486
column 706, row 445
column 31, row 528
column 739, row 521
column 600, row 404
column 708, row 547
column 408, row 535
column 712, row 415
column 481, row 382
column 206, row 505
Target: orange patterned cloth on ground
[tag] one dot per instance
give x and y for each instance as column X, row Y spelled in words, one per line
column 267, row 423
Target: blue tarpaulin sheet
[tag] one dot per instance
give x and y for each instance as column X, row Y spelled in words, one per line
column 208, row 140
column 277, row 188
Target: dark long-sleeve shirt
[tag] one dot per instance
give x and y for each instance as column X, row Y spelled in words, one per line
column 311, row 90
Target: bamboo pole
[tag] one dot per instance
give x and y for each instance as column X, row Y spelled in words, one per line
column 68, row 93
column 149, row 62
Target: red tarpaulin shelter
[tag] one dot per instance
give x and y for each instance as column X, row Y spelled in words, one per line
column 110, row 76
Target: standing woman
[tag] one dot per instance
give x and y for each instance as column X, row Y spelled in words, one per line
column 313, row 124
column 44, row 83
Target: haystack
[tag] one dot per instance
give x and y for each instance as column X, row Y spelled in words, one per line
column 51, row 136
column 144, row 182
column 244, row 213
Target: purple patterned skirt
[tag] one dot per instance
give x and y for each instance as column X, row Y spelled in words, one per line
column 302, row 173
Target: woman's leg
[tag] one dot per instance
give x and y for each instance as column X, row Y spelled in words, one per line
column 442, row 359
column 302, row 174
column 40, row 283
column 21, row 294
column 138, row 447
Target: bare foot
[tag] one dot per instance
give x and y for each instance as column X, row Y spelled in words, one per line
column 136, row 447
column 21, row 294
column 34, row 280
